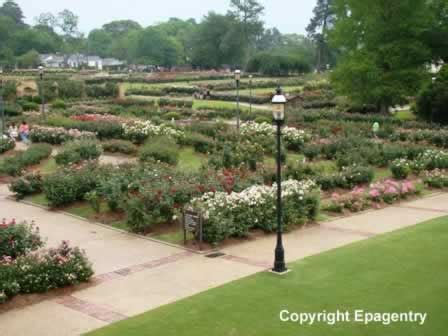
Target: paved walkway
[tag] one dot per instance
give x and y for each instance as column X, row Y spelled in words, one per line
column 134, row 275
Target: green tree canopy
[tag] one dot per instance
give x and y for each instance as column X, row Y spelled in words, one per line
column 383, row 51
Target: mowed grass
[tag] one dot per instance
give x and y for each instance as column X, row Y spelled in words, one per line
column 189, row 160
column 398, row 272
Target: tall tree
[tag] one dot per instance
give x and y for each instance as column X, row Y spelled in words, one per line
column 13, row 11
column 121, row 27
column 383, row 50
column 322, row 20
column 248, row 13
column 218, row 41
column 68, row 23
column 47, row 19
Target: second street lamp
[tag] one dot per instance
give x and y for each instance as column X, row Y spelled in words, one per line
column 2, row 109
column 237, row 80
column 278, row 111
column 42, row 97
column 250, row 94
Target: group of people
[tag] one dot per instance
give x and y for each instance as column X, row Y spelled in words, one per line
column 22, row 132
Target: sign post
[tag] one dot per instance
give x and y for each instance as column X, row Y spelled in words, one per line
column 192, row 222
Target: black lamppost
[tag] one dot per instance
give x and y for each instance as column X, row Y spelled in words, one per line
column 237, row 80
column 2, row 108
column 278, row 109
column 250, row 94
column 42, row 97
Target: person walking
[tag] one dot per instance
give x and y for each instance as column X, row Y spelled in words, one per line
column 24, row 131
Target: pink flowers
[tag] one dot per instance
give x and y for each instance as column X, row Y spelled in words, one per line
column 388, row 191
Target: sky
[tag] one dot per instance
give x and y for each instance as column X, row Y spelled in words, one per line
column 289, row 16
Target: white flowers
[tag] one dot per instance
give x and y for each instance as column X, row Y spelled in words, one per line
column 255, row 196
column 146, row 128
column 292, row 136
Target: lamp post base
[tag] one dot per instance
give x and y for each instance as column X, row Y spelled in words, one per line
column 279, row 273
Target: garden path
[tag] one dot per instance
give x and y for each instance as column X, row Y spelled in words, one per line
column 134, row 275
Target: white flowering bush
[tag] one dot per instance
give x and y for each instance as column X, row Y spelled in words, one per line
column 295, row 138
column 264, row 133
column 234, row 214
column 138, row 130
column 437, row 178
column 400, row 168
column 58, row 135
column 433, row 159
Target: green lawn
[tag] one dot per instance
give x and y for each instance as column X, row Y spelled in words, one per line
column 397, row 272
column 189, row 160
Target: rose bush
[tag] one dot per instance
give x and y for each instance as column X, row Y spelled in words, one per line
column 233, row 215
column 138, row 131
column 57, row 135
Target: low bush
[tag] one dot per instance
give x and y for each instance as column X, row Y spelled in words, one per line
column 347, row 179
column 161, row 149
column 42, row 271
column 68, row 185
column 58, row 104
column 78, row 150
column 200, row 143
column 119, row 146
column 6, row 145
column 30, row 106
column 13, row 110
column 436, row 179
column 17, row 239
column 27, row 185
column 57, row 135
column 400, row 168
column 235, row 214
column 15, row 165
column 172, row 116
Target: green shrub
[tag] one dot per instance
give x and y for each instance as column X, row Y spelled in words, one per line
column 162, row 149
column 200, row 143
column 432, row 101
column 40, row 272
column 119, row 146
column 30, row 106
column 13, row 110
column 171, row 116
column 78, row 150
column 15, row 165
column 67, row 186
column 58, row 104
column 312, row 151
column 27, row 185
column 262, row 120
column 347, row 179
column 6, row 145
column 17, row 239
column 400, row 169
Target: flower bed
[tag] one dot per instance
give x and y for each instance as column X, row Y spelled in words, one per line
column 388, row 191
column 294, row 138
column 99, row 117
column 57, row 135
column 436, row 178
column 138, row 131
column 23, row 269
column 234, row 214
column 15, row 165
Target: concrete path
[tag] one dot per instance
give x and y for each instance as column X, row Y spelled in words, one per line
column 134, row 275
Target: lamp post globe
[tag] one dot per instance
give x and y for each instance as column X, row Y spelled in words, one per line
column 278, row 114
column 237, row 80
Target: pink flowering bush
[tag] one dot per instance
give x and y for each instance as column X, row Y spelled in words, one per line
column 25, row 269
column 17, row 239
column 388, row 191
